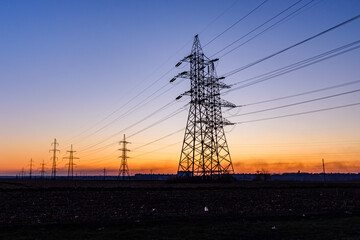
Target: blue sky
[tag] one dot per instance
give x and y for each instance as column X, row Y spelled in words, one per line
column 65, row 65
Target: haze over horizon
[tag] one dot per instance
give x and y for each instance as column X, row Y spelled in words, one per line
column 87, row 72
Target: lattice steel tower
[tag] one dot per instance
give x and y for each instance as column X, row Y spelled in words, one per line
column 205, row 150
column 124, row 169
column 71, row 162
column 42, row 172
column 54, row 158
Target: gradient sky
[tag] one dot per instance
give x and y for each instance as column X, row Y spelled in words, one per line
column 68, row 67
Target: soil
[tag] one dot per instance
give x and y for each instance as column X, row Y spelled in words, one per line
column 42, row 204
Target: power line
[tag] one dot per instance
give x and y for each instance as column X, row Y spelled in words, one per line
column 298, row 103
column 113, row 135
column 131, row 110
column 156, row 150
column 123, row 105
column 301, row 94
column 143, row 103
column 134, row 124
column 159, row 139
column 300, row 113
column 100, row 149
column 264, row 23
column 142, row 130
column 296, row 66
column 307, row 8
column 290, row 47
column 238, row 21
column 178, row 111
column 151, row 84
column 103, row 158
column 266, row 29
column 219, row 16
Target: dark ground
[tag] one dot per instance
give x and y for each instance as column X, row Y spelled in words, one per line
column 159, row 210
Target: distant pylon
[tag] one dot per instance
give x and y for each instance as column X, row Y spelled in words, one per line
column 54, row 158
column 324, row 174
column 204, row 151
column 42, row 172
column 71, row 162
column 30, row 169
column 124, row 169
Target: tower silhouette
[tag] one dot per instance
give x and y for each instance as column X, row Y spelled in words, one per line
column 71, row 162
column 54, row 158
column 205, row 151
column 124, row 169
column 30, row 169
column 42, row 172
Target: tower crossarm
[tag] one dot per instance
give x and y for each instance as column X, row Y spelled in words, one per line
column 226, row 122
column 227, row 104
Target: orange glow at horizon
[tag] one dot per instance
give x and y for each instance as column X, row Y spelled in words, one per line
column 245, row 162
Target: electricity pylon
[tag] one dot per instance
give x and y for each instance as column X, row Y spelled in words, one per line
column 42, row 172
column 30, row 169
column 54, row 158
column 205, row 150
column 324, row 174
column 71, row 162
column 124, row 169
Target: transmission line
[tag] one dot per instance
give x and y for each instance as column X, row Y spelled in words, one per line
column 264, row 23
column 159, row 139
column 301, row 94
column 300, row 113
column 238, row 21
column 153, row 83
column 156, row 150
column 297, row 103
column 290, row 47
column 138, row 106
column 178, row 111
column 100, row 149
column 143, row 103
column 143, row 119
column 296, row 66
column 266, row 29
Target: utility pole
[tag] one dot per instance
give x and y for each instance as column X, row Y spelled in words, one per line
column 22, row 173
column 205, row 151
column 104, row 173
column 124, row 169
column 42, row 172
column 71, row 162
column 54, row 158
column 323, row 165
column 30, row 170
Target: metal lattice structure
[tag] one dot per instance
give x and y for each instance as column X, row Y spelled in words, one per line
column 124, row 169
column 71, row 162
column 205, row 151
column 54, row 159
column 42, row 172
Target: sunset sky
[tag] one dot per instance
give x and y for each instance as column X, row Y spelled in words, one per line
column 87, row 72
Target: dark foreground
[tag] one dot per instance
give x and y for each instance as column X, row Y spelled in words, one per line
column 159, row 210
